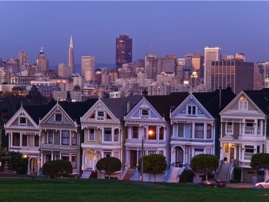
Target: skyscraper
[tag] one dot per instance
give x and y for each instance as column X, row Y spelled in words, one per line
column 42, row 64
column 210, row 54
column 71, row 58
column 87, row 67
column 23, row 58
column 123, row 50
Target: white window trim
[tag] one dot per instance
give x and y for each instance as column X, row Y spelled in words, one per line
column 93, row 135
column 191, row 114
column 100, row 118
column 22, row 124
column 56, row 115
column 226, row 128
column 144, row 116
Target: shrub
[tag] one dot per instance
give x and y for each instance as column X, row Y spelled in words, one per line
column 57, row 168
column 16, row 162
column 186, row 176
column 108, row 165
column 260, row 160
column 237, row 174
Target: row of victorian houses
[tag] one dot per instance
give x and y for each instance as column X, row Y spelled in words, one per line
column 178, row 126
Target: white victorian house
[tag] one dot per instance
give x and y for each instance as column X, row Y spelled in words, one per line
column 104, row 131
column 244, row 124
column 24, row 134
column 195, row 125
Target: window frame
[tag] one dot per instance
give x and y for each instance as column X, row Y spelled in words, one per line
column 58, row 117
column 22, row 123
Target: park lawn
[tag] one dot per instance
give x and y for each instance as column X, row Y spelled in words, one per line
column 84, row 190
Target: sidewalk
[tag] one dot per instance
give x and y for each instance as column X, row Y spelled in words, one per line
column 239, row 185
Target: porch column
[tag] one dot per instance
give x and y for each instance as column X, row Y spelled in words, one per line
column 38, row 166
column 205, row 131
column 28, row 168
column 127, row 158
column 172, row 155
column 51, row 158
column 83, row 159
column 93, row 159
column 221, row 151
column 192, row 130
column 70, row 137
column 20, row 139
column 11, row 139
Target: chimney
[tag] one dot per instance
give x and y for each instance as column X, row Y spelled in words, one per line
column 68, row 97
column 128, row 106
column 144, row 92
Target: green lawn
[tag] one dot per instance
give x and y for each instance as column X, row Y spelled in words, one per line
column 84, row 190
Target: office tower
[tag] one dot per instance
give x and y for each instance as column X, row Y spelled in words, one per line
column 23, row 58
column 240, row 56
column 42, row 64
column 71, row 58
column 123, row 50
column 62, row 70
column 87, row 67
column 233, row 73
column 198, row 64
column 12, row 66
column 151, row 62
column 210, row 54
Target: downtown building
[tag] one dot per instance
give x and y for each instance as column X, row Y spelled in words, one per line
column 123, row 50
column 88, row 67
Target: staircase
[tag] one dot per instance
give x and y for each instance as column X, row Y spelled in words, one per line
column 86, row 174
column 224, row 172
column 128, row 174
column 173, row 178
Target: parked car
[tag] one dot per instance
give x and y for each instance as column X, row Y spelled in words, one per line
column 213, row 183
column 264, row 184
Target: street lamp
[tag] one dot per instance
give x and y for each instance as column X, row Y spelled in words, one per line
column 150, row 132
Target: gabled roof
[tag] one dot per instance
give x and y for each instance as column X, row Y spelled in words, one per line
column 164, row 103
column 212, row 101
column 37, row 112
column 260, row 98
column 118, row 106
column 75, row 110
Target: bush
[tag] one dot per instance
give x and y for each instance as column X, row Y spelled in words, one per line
column 209, row 175
column 259, row 160
column 237, row 174
column 109, row 165
column 186, row 176
column 57, row 168
column 16, row 162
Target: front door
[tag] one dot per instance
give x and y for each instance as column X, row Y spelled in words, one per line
column 133, row 160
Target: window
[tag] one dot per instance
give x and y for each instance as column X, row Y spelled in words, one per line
column 91, row 134
column 135, row 132
column 152, row 133
column 74, row 138
column 249, row 150
column 116, row 135
column 161, row 133
column 16, row 139
column 100, row 115
column 56, row 138
column 243, row 103
column 199, row 130
column 50, row 137
column 209, row 131
column 108, row 134
column 229, row 128
column 58, row 117
column 144, row 113
column 65, row 137
column 36, row 140
column 191, row 110
column 22, row 121
column 24, row 140
column 180, row 132
column 198, row 151
column 107, row 154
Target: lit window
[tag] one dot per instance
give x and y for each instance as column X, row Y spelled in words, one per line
column 243, row 103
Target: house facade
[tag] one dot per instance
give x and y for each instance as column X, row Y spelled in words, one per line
column 244, row 124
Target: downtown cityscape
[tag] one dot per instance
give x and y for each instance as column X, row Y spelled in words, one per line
column 137, row 97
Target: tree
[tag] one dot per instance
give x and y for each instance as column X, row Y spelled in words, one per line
column 35, row 97
column 57, row 168
column 260, row 160
column 109, row 165
column 16, row 162
column 153, row 164
column 204, row 163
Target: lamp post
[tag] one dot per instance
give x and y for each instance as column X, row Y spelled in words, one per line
column 150, row 132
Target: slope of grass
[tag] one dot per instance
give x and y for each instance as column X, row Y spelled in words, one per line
column 84, row 190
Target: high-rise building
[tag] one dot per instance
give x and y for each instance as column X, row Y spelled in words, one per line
column 210, row 54
column 123, row 50
column 87, row 67
column 42, row 64
column 62, row 70
column 198, row 64
column 71, row 58
column 233, row 73
column 23, row 58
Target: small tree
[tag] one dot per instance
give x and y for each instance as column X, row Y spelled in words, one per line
column 153, row 163
column 57, row 168
column 260, row 160
column 109, row 165
column 204, row 163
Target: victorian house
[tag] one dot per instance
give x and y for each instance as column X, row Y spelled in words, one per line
column 195, row 125
column 244, row 124
column 61, row 133
column 24, row 134
column 104, row 131
column 148, row 128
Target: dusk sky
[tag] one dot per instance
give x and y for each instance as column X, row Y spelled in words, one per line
column 175, row 27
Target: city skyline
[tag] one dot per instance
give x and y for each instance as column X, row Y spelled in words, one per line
column 167, row 27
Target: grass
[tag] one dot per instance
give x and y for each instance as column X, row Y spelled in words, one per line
column 84, row 190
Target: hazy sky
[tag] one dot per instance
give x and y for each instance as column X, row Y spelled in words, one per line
column 175, row 27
